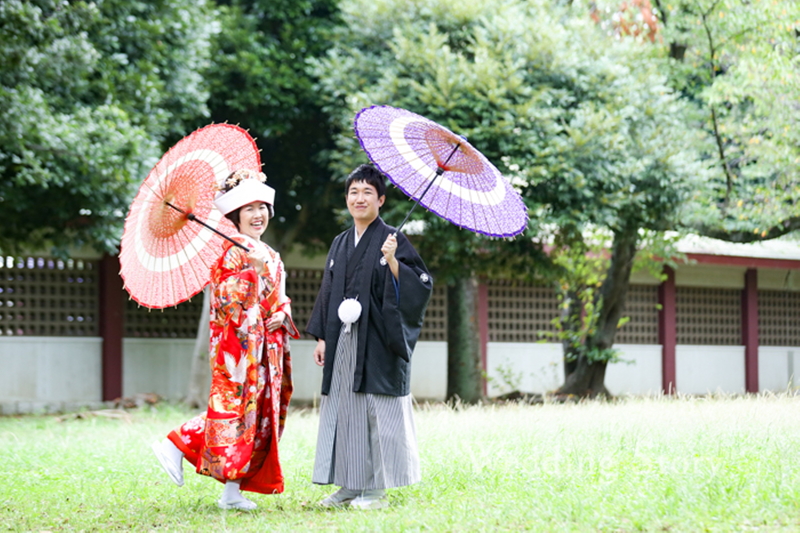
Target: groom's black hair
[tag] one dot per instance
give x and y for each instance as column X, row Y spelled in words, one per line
column 369, row 175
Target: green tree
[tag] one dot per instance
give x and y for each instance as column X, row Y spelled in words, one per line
column 259, row 78
column 734, row 65
column 384, row 54
column 738, row 62
column 616, row 163
column 584, row 126
column 89, row 90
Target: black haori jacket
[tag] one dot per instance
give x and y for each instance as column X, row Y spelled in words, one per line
column 388, row 328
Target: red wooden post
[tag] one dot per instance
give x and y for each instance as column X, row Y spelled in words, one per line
column 111, row 328
column 483, row 327
column 750, row 329
column 667, row 330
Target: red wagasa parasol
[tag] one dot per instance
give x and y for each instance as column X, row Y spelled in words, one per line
column 173, row 233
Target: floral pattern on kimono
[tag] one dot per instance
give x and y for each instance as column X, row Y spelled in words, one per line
column 251, row 385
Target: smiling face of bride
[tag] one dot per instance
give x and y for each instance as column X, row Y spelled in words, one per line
column 253, row 219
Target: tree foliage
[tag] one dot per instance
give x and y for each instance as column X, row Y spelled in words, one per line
column 741, row 68
column 415, row 55
column 615, row 120
column 88, row 91
column 738, row 64
column 590, row 134
column 259, row 78
column 583, row 124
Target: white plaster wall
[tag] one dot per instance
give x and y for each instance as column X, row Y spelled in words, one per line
column 644, row 277
column 778, row 279
column 538, row 368
column 638, row 373
column 706, row 369
column 50, row 369
column 161, row 366
column 428, row 371
column 778, row 368
column 49, row 373
column 306, row 375
column 65, row 373
column 527, row 367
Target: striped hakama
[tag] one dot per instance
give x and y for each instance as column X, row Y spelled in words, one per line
column 365, row 441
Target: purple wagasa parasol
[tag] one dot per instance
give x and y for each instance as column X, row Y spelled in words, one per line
column 441, row 171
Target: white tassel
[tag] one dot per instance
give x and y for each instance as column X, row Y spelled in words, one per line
column 349, row 312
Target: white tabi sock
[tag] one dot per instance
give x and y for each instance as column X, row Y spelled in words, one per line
column 231, row 492
column 172, row 452
column 232, row 498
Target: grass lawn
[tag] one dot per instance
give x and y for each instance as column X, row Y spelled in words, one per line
column 686, row 464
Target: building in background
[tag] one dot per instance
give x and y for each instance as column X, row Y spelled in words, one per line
column 727, row 322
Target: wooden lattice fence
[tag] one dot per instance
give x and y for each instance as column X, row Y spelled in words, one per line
column 41, row 296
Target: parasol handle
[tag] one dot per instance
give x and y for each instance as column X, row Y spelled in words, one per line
column 439, row 172
column 191, row 216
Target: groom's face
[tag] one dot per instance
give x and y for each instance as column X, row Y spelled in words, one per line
column 363, row 201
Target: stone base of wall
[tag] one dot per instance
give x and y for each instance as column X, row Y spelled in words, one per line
column 54, row 374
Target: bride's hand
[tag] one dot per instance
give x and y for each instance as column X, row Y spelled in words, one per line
column 275, row 321
column 258, row 260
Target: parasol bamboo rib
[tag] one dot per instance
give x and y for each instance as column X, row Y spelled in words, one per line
column 423, row 182
column 201, row 257
column 439, row 171
column 188, row 243
column 193, row 218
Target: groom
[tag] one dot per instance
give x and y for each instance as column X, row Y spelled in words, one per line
column 367, row 319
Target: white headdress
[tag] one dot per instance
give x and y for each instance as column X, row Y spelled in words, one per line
column 242, row 187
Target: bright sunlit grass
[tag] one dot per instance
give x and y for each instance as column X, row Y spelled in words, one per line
column 686, row 464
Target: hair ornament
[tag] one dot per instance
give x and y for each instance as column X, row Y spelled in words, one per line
column 237, row 176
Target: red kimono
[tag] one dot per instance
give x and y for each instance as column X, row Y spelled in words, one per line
column 251, row 383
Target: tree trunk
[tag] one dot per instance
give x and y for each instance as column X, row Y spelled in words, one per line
column 587, row 378
column 464, row 371
column 570, row 314
column 200, row 376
